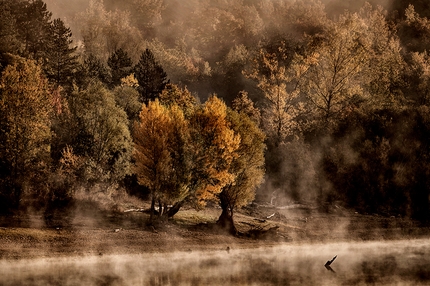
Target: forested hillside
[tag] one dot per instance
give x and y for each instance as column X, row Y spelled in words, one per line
column 186, row 102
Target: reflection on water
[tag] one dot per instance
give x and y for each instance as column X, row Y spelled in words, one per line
column 374, row 263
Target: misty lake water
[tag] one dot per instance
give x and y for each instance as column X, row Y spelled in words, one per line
column 403, row 262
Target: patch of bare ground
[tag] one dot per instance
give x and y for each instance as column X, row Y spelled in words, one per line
column 90, row 231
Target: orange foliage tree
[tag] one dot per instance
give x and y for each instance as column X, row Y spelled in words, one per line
column 184, row 153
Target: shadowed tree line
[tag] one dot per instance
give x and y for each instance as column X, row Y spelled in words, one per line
column 198, row 106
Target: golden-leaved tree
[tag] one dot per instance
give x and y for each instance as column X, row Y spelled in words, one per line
column 184, row 156
column 152, row 150
column 215, row 146
column 25, row 119
column 247, row 167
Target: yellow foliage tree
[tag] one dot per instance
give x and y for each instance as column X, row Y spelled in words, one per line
column 151, row 149
column 181, row 158
column 247, row 167
column 215, row 146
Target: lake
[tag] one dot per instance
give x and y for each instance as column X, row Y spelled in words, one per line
column 402, row 262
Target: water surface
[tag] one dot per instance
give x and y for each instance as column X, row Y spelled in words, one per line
column 403, row 262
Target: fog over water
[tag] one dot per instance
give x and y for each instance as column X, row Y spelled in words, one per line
column 403, row 262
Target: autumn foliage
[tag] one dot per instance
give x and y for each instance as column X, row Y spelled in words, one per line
column 187, row 102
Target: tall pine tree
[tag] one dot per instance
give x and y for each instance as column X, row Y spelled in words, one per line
column 120, row 65
column 92, row 69
column 151, row 77
column 8, row 33
column 62, row 62
column 34, row 26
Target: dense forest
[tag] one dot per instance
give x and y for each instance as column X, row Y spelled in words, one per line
column 187, row 102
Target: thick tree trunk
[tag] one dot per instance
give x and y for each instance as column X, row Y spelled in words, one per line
column 225, row 221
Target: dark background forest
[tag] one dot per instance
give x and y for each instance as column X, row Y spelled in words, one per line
column 338, row 92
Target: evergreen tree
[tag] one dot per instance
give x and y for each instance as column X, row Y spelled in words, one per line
column 62, row 62
column 8, row 33
column 120, row 65
column 34, row 27
column 151, row 77
column 92, row 69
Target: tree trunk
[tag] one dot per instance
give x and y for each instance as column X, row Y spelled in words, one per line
column 160, row 208
column 225, row 220
column 173, row 210
column 152, row 211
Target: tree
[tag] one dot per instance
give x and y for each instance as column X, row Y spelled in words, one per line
column 183, row 158
column 414, row 30
column 384, row 77
column 92, row 69
column 34, row 26
column 103, row 31
column 242, row 103
column 418, row 78
column 100, row 134
column 247, row 167
column 62, row 63
column 8, row 30
column 120, row 65
column 279, row 79
column 93, row 22
column 174, row 95
column 333, row 82
column 127, row 98
column 25, row 110
column 215, row 145
column 151, row 77
column 152, row 153
column 229, row 77
column 147, row 13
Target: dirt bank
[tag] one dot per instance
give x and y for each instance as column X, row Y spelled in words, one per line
column 104, row 233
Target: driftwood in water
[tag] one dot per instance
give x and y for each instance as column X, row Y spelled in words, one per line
column 328, row 263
